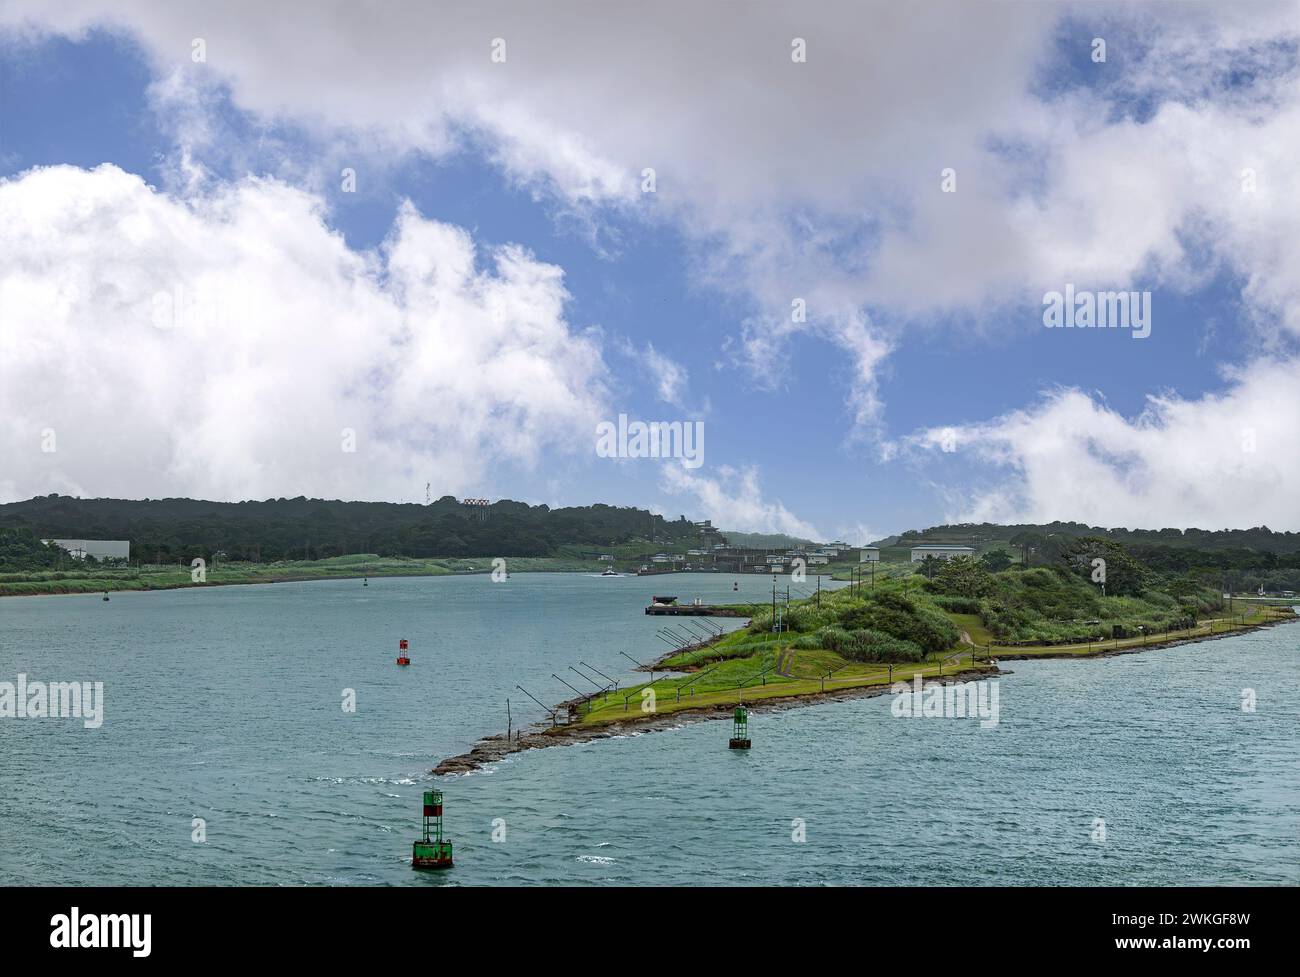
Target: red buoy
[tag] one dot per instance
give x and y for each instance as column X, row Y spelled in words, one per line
column 402, row 658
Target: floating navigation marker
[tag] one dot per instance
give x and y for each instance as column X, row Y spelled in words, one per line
column 106, row 595
column 402, row 658
column 365, row 581
column 740, row 736
column 735, row 585
column 432, row 851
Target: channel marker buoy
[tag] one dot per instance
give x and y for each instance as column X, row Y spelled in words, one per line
column 432, row 850
column 740, row 736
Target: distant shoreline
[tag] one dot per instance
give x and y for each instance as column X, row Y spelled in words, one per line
column 123, row 586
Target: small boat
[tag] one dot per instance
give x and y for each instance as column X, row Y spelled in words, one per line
column 611, row 572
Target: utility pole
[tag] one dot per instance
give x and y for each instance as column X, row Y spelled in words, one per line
column 819, row 590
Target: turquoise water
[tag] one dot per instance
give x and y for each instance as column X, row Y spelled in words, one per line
column 224, row 704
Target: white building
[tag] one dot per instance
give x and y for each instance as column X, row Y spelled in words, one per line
column 869, row 554
column 940, row 551
column 100, row 549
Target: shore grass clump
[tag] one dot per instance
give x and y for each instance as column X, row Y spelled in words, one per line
column 958, row 605
column 863, row 645
column 811, row 618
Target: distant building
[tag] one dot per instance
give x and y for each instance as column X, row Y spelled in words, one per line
column 710, row 534
column 100, row 549
column 606, row 557
column 659, row 558
column 940, row 551
column 870, row 554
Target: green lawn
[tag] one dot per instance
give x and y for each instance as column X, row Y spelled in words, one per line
column 725, row 683
column 972, row 625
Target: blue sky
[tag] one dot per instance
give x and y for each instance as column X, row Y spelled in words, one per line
column 801, row 435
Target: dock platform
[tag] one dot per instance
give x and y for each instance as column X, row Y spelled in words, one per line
column 693, row 610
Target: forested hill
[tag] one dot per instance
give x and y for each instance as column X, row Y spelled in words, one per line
column 301, row 528
column 985, row 535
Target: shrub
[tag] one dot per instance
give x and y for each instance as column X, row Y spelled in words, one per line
column 959, row 605
column 869, row 645
column 810, row 618
column 905, row 619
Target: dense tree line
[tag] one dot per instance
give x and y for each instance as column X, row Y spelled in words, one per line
column 1259, row 539
column 169, row 530
column 22, row 549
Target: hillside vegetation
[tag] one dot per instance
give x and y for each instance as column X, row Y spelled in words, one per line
column 175, row 531
column 905, row 618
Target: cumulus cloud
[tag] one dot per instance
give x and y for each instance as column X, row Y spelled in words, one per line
column 1223, row 460
column 734, row 499
column 813, row 178
column 773, row 168
column 232, row 346
column 818, row 179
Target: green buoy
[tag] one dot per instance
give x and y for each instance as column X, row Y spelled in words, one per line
column 432, row 851
column 740, row 736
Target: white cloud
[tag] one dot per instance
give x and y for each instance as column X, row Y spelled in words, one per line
column 284, row 338
column 818, row 180
column 734, row 499
column 858, row 534
column 1223, row 460
column 669, row 377
column 774, row 169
